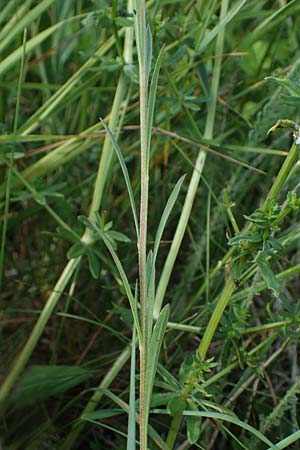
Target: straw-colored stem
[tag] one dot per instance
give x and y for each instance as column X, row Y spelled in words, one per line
column 142, row 243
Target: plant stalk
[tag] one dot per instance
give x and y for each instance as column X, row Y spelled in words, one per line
column 142, row 242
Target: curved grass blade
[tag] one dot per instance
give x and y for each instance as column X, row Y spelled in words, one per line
column 131, row 428
column 154, row 350
column 131, row 298
column 151, row 100
column 126, row 176
column 226, row 418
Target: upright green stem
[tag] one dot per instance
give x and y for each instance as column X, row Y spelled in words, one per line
column 142, row 243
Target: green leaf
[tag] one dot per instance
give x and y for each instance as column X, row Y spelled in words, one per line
column 269, row 277
column 132, row 299
column 87, row 223
column 149, row 49
column 275, row 243
column 94, row 264
column 164, row 218
column 117, row 236
column 154, row 350
column 151, row 100
column 226, row 418
column 193, row 424
column 246, row 236
column 131, row 428
column 41, row 382
column 103, row 414
column 193, row 429
column 150, row 274
column 76, row 250
column 176, row 405
column 67, row 234
column 126, row 176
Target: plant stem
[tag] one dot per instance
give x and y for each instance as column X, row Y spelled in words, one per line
column 283, row 173
column 142, row 242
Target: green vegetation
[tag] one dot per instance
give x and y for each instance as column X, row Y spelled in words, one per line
column 149, row 257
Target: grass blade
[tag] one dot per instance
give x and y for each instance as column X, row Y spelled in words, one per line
column 154, row 351
column 131, row 432
column 126, row 176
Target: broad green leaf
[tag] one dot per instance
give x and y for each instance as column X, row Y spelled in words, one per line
column 78, row 249
column 269, row 277
column 41, row 382
column 117, row 236
column 176, row 405
column 87, row 223
column 94, row 264
column 126, row 176
column 154, row 350
column 246, row 236
column 193, row 425
column 67, row 234
column 275, row 243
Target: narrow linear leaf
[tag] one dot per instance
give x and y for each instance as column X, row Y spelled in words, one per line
column 214, row 32
column 150, row 272
column 154, row 350
column 126, row 176
column 103, row 414
column 164, row 218
column 131, row 433
column 166, row 213
column 152, row 98
column 149, row 49
column 226, row 418
column 131, row 298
